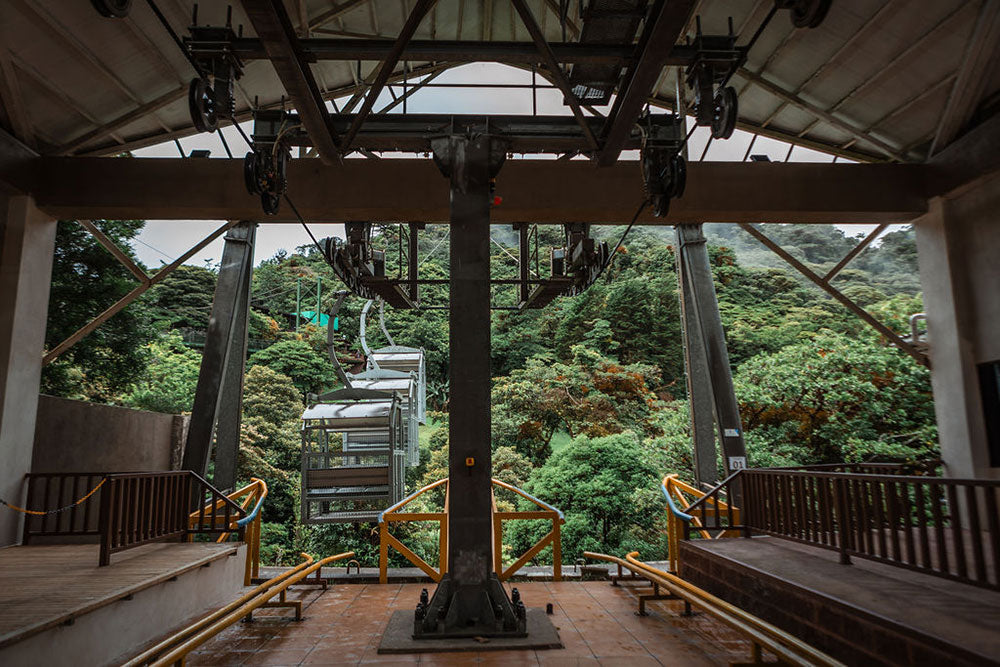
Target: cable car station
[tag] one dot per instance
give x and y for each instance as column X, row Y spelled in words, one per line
column 141, row 547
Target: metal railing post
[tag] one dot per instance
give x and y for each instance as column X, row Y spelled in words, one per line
column 843, row 521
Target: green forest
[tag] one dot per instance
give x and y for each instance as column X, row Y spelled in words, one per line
column 589, row 404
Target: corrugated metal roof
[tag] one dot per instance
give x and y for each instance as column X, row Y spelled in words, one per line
column 874, row 78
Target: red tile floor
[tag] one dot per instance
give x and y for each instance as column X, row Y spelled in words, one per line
column 597, row 624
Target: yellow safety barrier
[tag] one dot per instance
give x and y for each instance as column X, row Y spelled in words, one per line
column 394, row 515
column 250, row 498
column 175, row 648
column 761, row 634
column 679, row 495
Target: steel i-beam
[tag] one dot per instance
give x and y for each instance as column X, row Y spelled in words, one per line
column 697, row 274
column 217, row 394
column 469, row 601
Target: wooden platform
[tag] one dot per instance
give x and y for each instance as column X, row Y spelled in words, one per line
column 863, row 613
column 44, row 586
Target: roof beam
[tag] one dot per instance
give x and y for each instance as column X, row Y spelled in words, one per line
column 18, row 164
column 981, row 57
column 555, row 71
column 378, row 48
column 121, row 121
column 334, row 12
column 274, row 27
column 663, row 27
column 972, row 157
column 820, row 114
column 420, row 10
column 543, row 191
column 12, row 99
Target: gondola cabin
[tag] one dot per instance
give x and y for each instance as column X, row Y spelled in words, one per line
column 406, row 360
column 407, row 386
column 354, row 445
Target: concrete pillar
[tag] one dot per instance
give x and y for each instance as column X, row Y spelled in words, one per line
column 958, row 244
column 27, row 239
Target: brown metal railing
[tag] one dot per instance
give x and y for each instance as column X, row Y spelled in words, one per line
column 945, row 527
column 916, row 468
column 53, row 510
column 139, row 508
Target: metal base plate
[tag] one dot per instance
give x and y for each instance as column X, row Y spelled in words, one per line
column 398, row 637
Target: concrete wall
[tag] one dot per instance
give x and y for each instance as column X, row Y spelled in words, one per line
column 27, row 239
column 958, row 242
column 77, row 436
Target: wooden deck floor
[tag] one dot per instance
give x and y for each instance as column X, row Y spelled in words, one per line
column 45, row 585
column 808, row 589
column 596, row 622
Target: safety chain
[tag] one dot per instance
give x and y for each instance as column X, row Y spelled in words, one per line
column 56, row 511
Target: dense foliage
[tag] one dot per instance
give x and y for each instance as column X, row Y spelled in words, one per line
column 589, row 394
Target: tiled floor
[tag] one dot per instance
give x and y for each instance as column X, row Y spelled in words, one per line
column 597, row 624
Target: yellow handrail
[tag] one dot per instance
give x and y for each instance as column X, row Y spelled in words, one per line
column 206, row 633
column 252, row 495
column 674, row 489
column 787, row 647
column 393, row 515
column 151, row 653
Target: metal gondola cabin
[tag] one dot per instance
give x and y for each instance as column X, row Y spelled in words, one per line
column 354, row 445
column 358, row 441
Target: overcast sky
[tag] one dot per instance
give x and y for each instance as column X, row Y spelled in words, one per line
column 163, row 240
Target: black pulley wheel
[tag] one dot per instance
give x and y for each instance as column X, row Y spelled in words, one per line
column 202, row 106
column 809, row 13
column 726, row 110
column 661, row 205
column 112, row 9
column 678, row 180
column 270, row 201
column 281, row 169
column 250, row 173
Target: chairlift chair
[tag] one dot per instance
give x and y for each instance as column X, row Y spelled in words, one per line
column 407, row 386
column 353, row 456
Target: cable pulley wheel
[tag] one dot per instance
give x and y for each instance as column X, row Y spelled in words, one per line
column 809, row 13
column 202, row 106
column 112, row 9
column 678, row 176
column 661, row 205
column 251, row 175
column 726, row 110
column 270, row 201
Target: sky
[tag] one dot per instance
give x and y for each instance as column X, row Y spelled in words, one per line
column 161, row 241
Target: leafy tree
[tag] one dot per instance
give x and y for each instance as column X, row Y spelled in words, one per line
column 593, row 395
column 835, row 398
column 184, row 299
column 87, row 279
column 310, row 372
column 170, row 379
column 270, row 447
column 607, row 489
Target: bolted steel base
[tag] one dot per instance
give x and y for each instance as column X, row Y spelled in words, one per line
column 398, row 638
column 469, row 610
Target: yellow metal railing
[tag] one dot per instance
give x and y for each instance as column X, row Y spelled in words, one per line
column 251, row 499
column 761, row 634
column 680, row 495
column 174, row 649
column 395, row 515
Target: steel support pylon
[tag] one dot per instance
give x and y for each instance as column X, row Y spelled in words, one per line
column 218, row 398
column 469, row 601
column 710, row 378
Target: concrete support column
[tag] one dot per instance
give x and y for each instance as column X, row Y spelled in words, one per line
column 27, row 239
column 958, row 244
